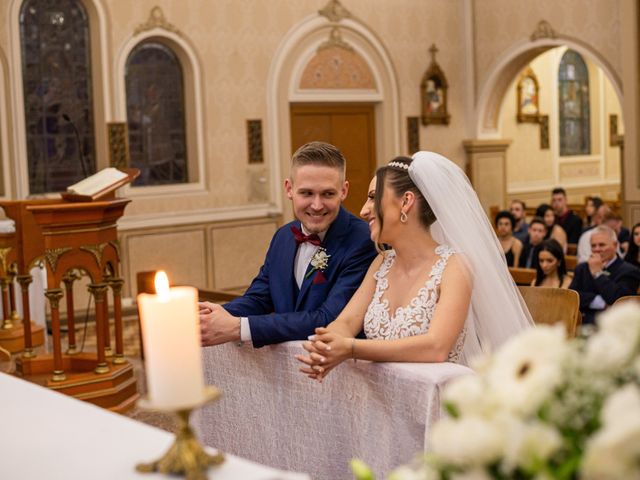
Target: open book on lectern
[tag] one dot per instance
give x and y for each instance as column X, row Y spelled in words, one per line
column 99, row 185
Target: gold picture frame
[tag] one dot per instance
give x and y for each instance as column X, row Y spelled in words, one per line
column 528, row 106
column 433, row 93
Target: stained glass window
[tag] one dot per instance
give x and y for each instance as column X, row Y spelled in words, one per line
column 156, row 114
column 573, row 98
column 56, row 72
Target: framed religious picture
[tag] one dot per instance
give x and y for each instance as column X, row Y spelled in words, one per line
column 433, row 93
column 528, row 90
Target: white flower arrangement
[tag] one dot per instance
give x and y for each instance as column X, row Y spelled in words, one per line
column 543, row 407
column 319, row 261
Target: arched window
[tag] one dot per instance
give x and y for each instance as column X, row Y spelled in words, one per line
column 573, row 98
column 156, row 114
column 56, row 72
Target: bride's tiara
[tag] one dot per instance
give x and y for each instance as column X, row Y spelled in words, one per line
column 404, row 166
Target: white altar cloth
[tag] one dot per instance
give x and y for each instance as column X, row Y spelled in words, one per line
column 47, row 435
column 272, row 414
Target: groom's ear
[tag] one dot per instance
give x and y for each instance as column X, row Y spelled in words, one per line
column 288, row 187
column 344, row 191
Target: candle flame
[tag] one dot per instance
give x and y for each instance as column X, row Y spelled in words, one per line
column 162, row 285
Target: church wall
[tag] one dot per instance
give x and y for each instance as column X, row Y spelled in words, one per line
column 234, row 44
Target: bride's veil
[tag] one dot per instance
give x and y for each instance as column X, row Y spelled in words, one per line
column 497, row 310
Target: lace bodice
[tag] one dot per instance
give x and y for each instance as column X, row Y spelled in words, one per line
column 413, row 319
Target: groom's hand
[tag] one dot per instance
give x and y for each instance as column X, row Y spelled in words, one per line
column 217, row 325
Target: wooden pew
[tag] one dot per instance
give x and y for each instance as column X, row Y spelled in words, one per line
column 523, row 276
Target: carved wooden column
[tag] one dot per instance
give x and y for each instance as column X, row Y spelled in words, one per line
column 116, row 287
column 7, row 321
column 13, row 272
column 486, row 168
column 24, row 281
column 69, row 278
column 98, row 291
column 54, row 295
column 107, row 328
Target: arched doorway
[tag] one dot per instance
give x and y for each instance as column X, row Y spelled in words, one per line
column 492, row 145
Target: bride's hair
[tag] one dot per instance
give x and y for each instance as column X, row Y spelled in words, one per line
column 396, row 174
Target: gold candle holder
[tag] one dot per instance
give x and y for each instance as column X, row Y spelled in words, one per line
column 186, row 457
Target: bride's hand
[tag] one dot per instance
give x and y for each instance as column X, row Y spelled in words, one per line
column 326, row 351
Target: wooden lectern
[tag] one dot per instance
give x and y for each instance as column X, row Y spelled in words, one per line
column 82, row 236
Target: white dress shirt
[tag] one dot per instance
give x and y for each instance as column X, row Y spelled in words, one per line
column 305, row 253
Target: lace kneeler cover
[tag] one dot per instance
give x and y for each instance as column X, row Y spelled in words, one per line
column 413, row 319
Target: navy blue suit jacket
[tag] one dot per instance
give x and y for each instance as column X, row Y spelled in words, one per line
column 622, row 279
column 277, row 310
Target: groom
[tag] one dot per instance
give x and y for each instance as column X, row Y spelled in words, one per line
column 312, row 268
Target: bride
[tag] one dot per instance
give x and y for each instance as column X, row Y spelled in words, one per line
column 442, row 293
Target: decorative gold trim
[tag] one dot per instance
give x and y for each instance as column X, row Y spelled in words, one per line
column 98, row 291
column 156, row 20
column 543, row 30
column 335, row 40
column 96, row 250
column 116, row 245
column 334, row 11
column 53, row 254
column 4, row 251
column 116, row 285
column 53, row 295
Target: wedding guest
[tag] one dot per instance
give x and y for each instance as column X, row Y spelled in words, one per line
column 555, row 231
column 551, row 270
column 633, row 253
column 569, row 221
column 590, row 208
column 441, row 287
column 604, row 277
column 537, row 233
column 584, row 244
column 511, row 246
column 614, row 222
column 312, row 268
column 521, row 227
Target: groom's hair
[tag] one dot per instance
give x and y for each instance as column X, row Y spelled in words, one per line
column 396, row 174
column 320, row 154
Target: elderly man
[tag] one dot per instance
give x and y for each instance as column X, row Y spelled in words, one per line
column 605, row 277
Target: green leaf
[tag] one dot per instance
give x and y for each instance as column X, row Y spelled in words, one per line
column 361, row 470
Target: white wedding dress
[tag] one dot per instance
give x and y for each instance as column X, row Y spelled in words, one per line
column 413, row 319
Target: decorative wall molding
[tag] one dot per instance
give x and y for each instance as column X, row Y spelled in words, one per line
column 335, row 40
column 543, row 30
column 334, row 11
column 156, row 20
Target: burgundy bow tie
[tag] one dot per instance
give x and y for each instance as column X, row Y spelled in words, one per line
column 300, row 237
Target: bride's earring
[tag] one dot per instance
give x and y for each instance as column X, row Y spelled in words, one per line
column 403, row 217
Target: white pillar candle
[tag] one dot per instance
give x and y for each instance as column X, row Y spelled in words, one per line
column 171, row 338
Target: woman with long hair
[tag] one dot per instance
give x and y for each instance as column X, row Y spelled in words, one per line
column 551, row 270
column 555, row 231
column 633, row 253
column 511, row 246
column 442, row 292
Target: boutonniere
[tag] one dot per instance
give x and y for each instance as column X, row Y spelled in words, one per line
column 319, row 263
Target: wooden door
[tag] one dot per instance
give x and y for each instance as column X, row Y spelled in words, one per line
column 351, row 128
